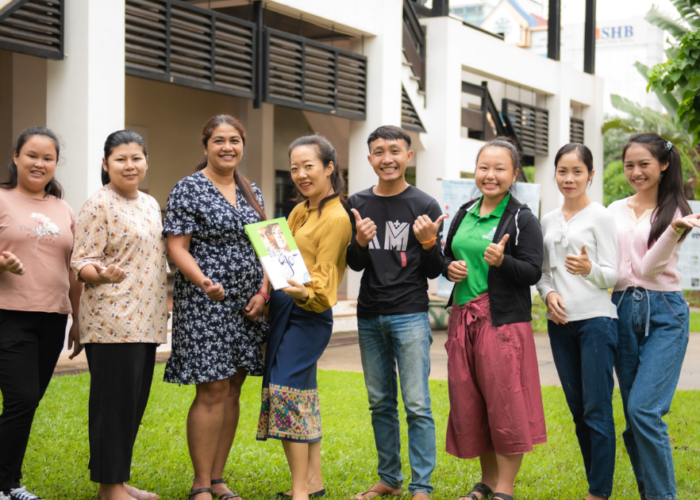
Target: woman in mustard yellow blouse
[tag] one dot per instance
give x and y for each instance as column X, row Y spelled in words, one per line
column 301, row 320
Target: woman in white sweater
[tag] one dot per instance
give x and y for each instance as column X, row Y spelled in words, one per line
column 580, row 264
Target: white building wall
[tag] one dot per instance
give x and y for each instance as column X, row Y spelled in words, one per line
column 442, row 158
column 85, row 92
column 383, row 98
column 453, row 57
column 620, row 44
column 85, row 98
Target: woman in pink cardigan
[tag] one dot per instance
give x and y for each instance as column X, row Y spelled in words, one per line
column 653, row 315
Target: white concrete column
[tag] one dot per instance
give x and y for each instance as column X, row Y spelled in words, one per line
column 85, row 92
column 559, row 107
column 441, row 158
column 259, row 153
column 384, row 56
column 593, row 118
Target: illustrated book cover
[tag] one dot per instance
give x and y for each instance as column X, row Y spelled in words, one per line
column 278, row 252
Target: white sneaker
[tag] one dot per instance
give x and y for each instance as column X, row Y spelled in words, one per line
column 21, row 493
column 4, row 496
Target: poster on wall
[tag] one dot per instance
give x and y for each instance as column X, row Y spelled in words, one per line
column 457, row 192
column 689, row 256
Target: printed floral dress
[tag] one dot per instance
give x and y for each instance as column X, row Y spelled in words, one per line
column 125, row 232
column 213, row 340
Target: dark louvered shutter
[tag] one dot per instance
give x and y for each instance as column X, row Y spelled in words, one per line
column 172, row 41
column 304, row 74
column 409, row 116
column 576, row 131
column 530, row 124
column 33, row 27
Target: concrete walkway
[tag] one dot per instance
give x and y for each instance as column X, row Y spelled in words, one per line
column 344, row 354
column 347, row 358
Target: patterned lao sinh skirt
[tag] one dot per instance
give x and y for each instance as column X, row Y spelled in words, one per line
column 290, row 408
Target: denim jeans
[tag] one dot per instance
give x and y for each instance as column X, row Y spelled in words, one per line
column 584, row 354
column 385, row 342
column 653, row 331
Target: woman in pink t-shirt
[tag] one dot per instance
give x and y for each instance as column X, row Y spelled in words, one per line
column 37, row 292
column 653, row 314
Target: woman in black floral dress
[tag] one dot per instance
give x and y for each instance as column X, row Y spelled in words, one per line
column 220, row 292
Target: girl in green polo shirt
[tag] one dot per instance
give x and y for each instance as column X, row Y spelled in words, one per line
column 493, row 253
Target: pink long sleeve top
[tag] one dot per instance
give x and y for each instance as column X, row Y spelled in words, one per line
column 651, row 268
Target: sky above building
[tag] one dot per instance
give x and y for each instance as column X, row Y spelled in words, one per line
column 573, row 11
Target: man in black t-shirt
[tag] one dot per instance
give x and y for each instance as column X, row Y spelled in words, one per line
column 396, row 242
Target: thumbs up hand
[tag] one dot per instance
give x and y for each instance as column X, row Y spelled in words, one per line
column 578, row 264
column 366, row 229
column 426, row 230
column 494, row 252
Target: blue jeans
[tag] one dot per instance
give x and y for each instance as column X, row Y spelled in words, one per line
column 584, row 354
column 385, row 342
column 653, row 331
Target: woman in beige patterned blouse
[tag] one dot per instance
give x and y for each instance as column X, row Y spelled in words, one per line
column 119, row 253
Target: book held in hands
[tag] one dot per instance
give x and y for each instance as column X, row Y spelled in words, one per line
column 278, row 252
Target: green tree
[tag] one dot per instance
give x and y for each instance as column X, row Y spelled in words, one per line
column 673, row 125
column 683, row 74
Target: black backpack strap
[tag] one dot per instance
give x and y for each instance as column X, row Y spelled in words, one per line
column 503, row 229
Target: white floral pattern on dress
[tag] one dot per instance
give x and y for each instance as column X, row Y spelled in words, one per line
column 214, row 340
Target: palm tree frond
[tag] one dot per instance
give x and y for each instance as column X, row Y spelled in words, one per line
column 689, row 13
column 674, row 28
column 653, row 118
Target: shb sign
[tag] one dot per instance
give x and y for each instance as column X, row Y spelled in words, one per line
column 615, row 33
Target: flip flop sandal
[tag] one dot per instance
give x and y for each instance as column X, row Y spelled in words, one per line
column 225, row 496
column 194, row 493
column 479, row 488
column 502, row 496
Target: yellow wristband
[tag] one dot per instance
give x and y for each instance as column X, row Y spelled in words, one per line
column 431, row 240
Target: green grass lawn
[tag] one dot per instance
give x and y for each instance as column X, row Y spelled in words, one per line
column 57, row 459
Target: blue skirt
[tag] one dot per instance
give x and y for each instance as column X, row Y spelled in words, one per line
column 290, row 407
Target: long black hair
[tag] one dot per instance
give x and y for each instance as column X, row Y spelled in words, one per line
column 671, row 197
column 326, row 153
column 119, row 138
column 242, row 184
column 53, row 188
